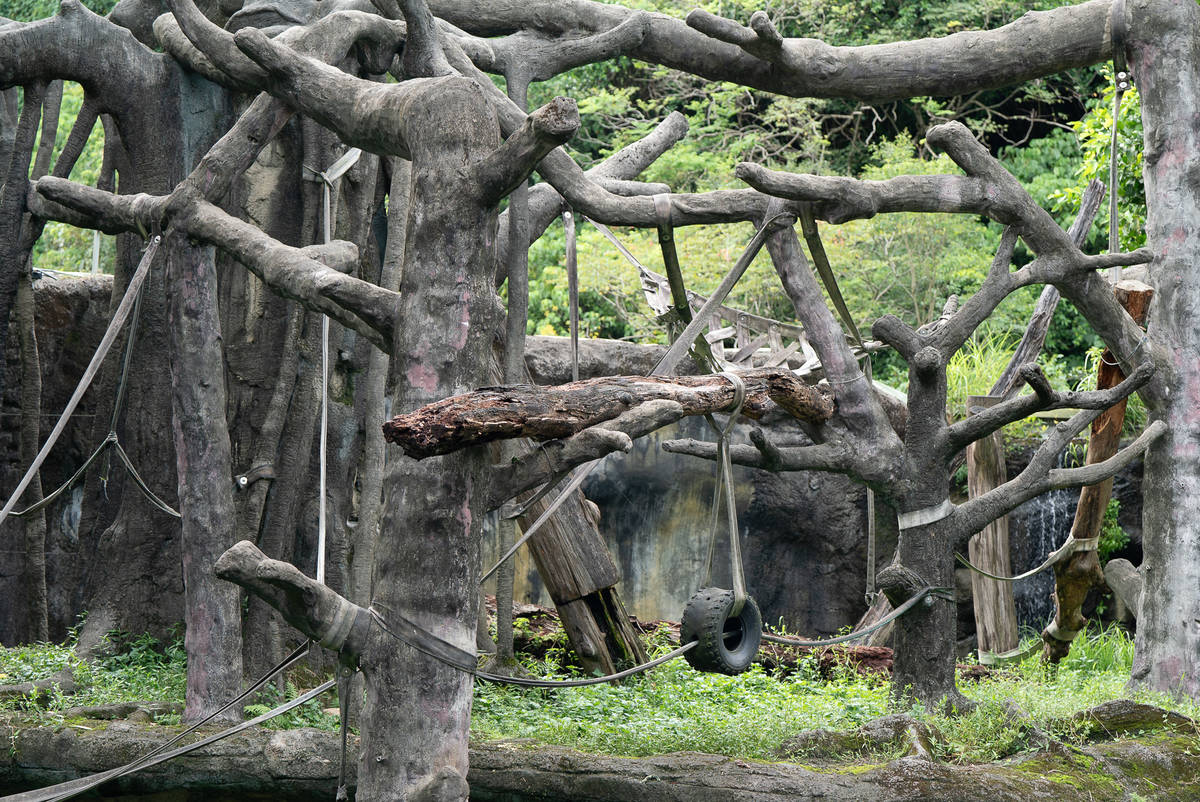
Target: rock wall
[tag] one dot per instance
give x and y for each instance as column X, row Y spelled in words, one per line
column 72, row 314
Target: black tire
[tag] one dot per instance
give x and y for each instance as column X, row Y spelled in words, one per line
column 725, row 644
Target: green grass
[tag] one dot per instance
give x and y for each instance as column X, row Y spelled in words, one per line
column 672, row 708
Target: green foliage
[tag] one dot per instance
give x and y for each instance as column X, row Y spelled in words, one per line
column 132, row 669
column 309, row 714
column 668, row 709
column 1094, row 132
column 675, row 708
column 28, row 10
column 1112, row 537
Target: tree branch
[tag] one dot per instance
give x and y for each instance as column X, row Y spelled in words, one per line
column 830, row 457
column 296, row 273
column 423, row 55
column 556, row 457
column 536, row 57
column 545, row 203
column 975, row 427
column 543, row 131
column 972, row 516
column 1098, row 472
column 1037, row 44
column 306, row 604
column 546, row 413
column 364, row 114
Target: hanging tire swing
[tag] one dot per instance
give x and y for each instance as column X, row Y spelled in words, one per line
column 726, row 624
column 726, row 641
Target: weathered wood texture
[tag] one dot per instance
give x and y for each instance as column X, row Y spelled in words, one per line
column 995, row 612
column 546, row 413
column 1079, row 573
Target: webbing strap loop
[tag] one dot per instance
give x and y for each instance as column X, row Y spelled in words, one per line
column 724, row 491
column 572, row 288
column 118, row 320
column 1072, row 545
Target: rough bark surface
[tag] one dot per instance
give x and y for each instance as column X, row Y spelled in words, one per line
column 304, row 764
column 995, row 612
column 543, row 413
column 1166, row 59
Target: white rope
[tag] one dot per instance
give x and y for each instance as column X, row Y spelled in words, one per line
column 335, row 171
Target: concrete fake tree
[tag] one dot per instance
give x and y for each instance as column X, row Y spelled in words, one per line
column 448, row 119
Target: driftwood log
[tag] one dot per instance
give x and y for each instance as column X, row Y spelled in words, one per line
column 549, row 413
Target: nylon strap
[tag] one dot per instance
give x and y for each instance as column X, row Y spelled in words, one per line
column 328, row 179
column 1070, row 547
column 1016, row 655
column 701, row 351
column 110, row 335
column 928, row 592
column 572, row 289
column 808, row 225
column 1118, row 33
column 925, row 515
column 1064, row 635
column 430, row 645
column 723, row 490
column 345, row 682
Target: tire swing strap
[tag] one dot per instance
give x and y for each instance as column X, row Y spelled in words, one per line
column 812, row 237
column 724, row 492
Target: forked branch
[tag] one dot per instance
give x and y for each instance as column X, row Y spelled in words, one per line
column 1044, row 397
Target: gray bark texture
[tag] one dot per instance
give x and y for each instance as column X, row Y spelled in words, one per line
column 1165, row 52
column 470, row 145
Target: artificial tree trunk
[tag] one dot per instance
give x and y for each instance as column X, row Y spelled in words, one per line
column 1165, row 58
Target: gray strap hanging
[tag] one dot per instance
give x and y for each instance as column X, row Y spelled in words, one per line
column 572, row 289
column 724, row 490
column 1123, row 81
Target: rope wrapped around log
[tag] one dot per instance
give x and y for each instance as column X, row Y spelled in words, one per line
column 548, row 413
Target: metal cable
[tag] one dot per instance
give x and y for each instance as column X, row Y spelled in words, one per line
column 572, row 289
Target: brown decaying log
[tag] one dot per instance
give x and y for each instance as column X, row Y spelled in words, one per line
column 547, row 413
column 1079, row 573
